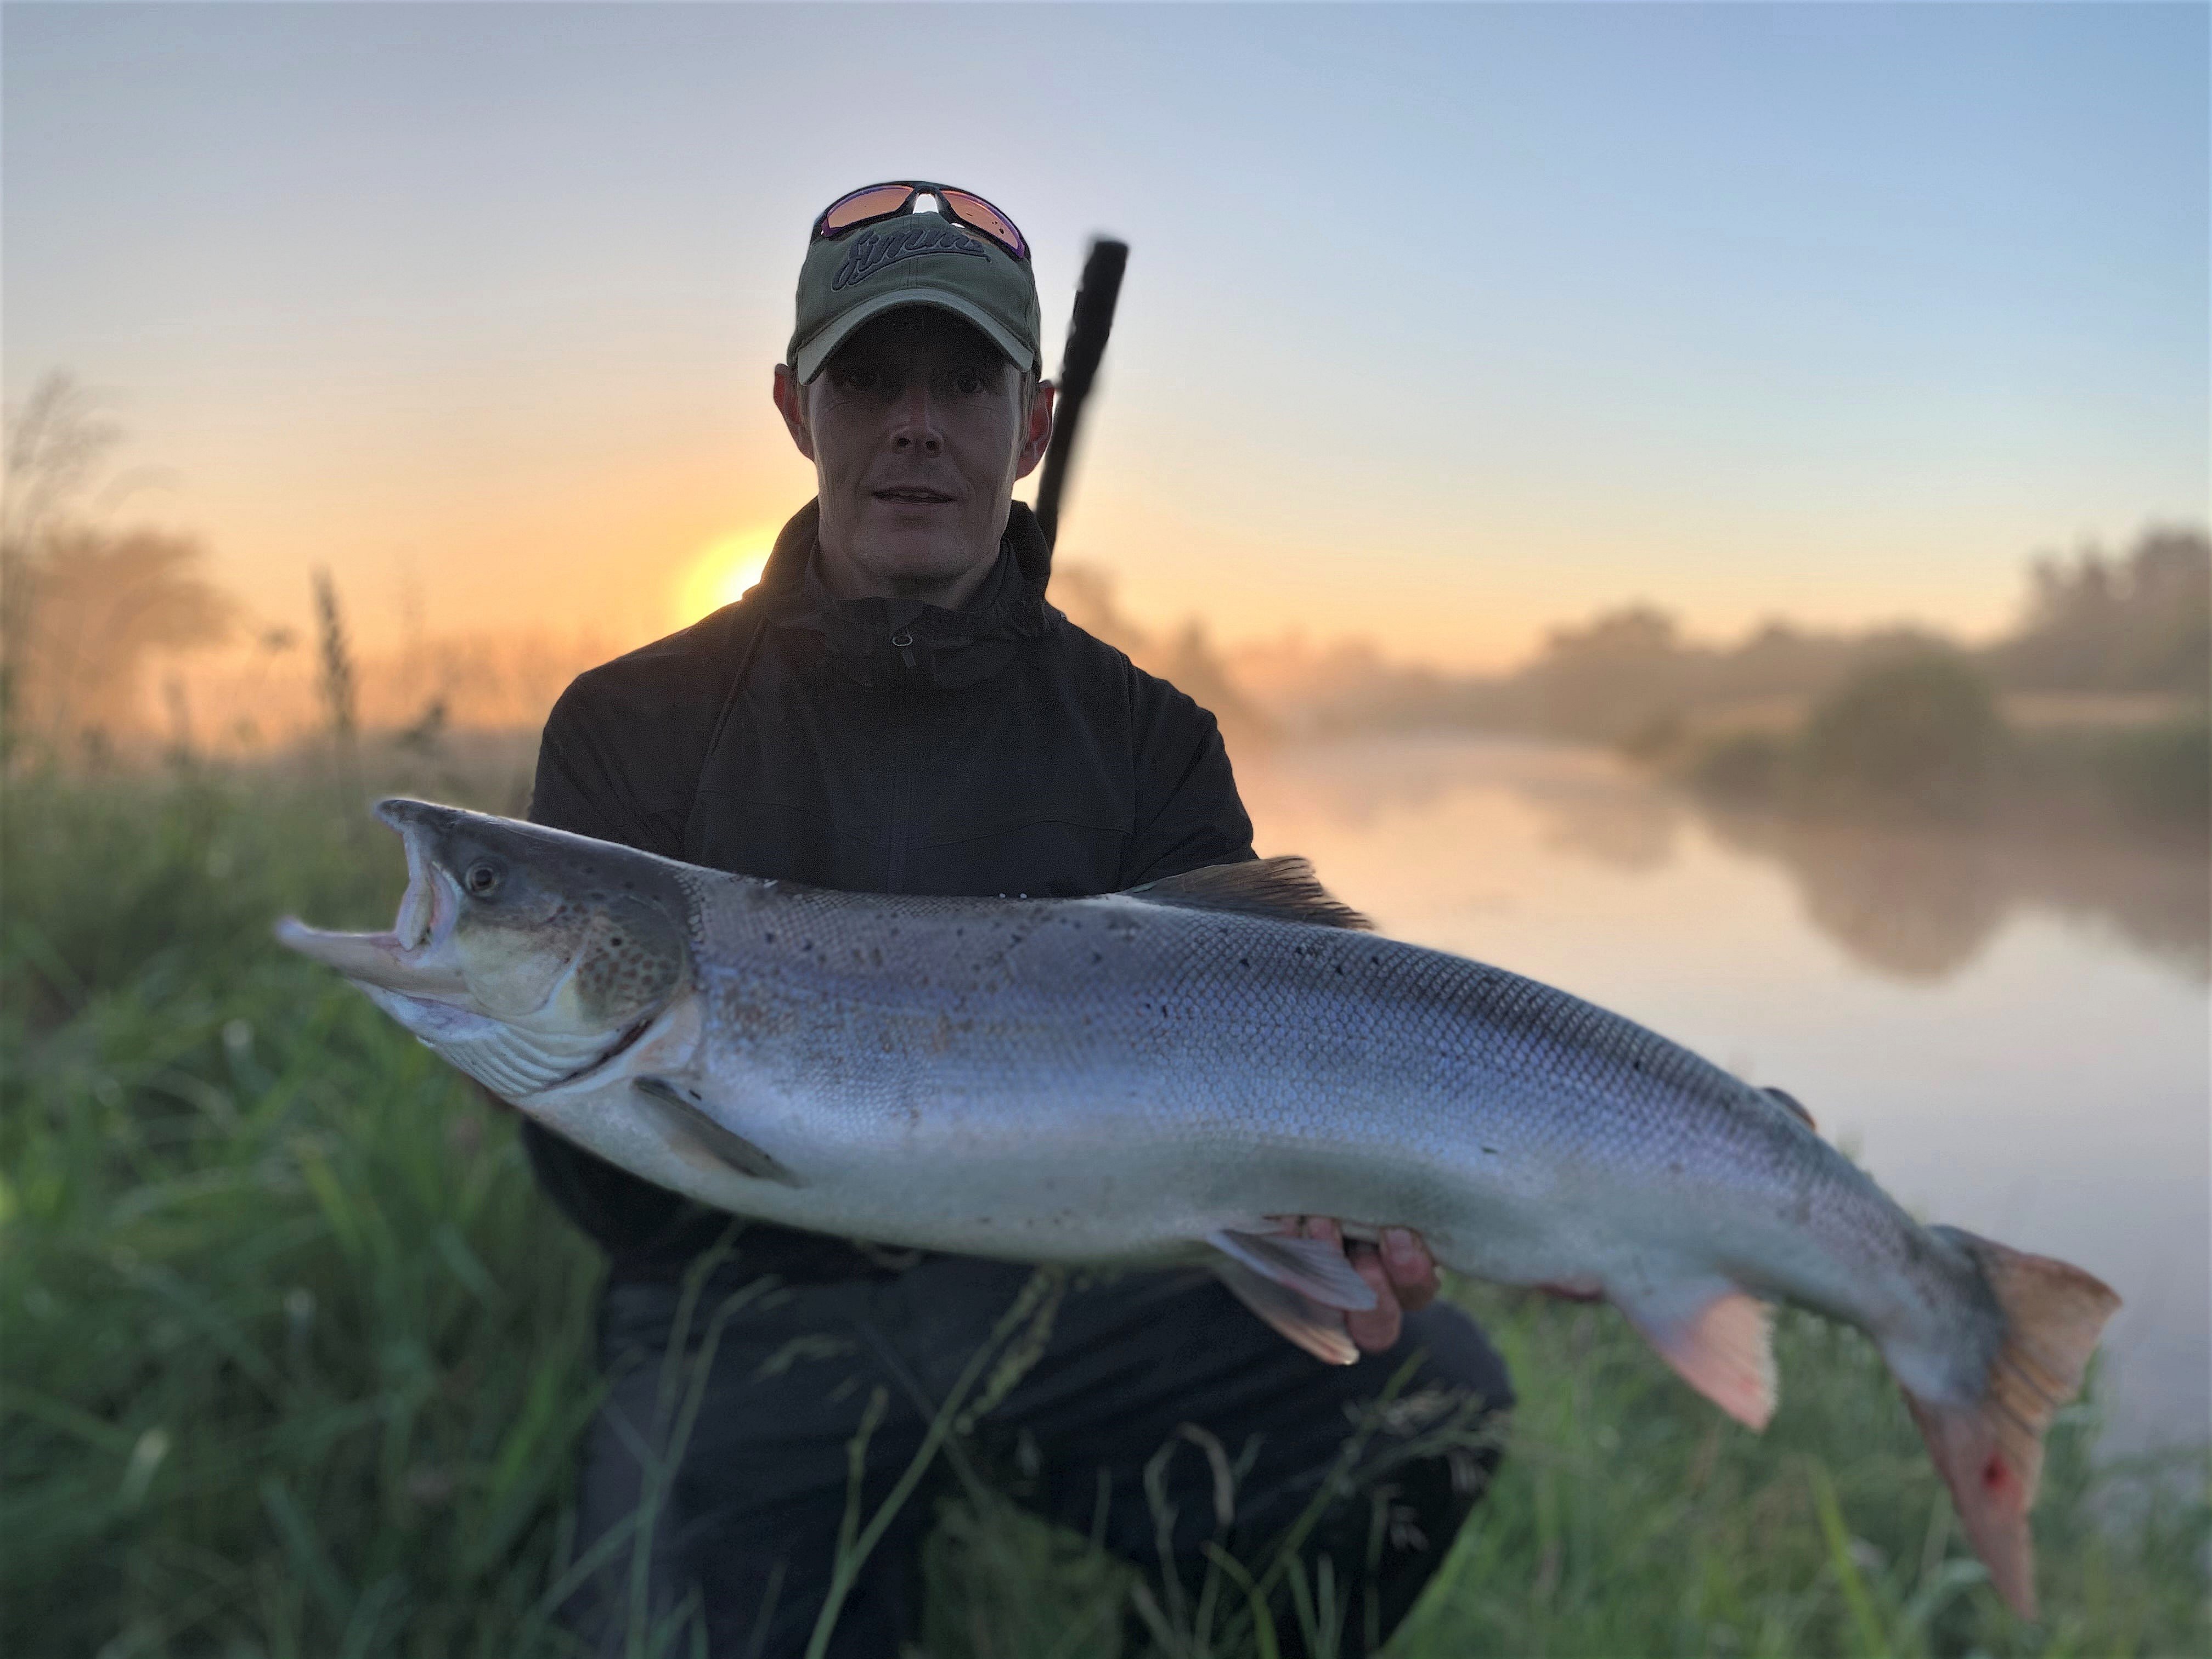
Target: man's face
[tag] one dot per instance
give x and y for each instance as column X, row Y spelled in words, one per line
column 918, row 428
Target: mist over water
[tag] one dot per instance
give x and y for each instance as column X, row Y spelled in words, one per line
column 2013, row 1034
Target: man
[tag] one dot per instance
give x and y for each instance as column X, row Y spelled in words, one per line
column 896, row 708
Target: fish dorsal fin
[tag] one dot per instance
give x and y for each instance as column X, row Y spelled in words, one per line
column 1281, row 889
column 1791, row 1105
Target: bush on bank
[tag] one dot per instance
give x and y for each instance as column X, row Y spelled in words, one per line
column 1921, row 739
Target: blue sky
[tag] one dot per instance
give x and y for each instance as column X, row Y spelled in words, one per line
column 1442, row 324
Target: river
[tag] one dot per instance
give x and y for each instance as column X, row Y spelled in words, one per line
column 2013, row 1036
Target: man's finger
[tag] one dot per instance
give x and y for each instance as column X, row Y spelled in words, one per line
column 1377, row 1328
column 1413, row 1270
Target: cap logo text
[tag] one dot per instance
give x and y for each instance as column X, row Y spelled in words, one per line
column 871, row 252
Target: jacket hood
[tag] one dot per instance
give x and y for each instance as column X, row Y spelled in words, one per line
column 905, row 642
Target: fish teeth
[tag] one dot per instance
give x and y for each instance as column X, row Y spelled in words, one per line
column 412, row 927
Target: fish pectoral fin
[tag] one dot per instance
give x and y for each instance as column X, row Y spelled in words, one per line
column 1319, row 1330
column 1280, row 889
column 1720, row 1341
column 697, row 1132
column 1312, row 1266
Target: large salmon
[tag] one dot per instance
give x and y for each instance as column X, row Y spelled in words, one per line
column 1169, row 1075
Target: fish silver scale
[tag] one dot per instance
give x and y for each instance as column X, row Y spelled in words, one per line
column 1113, row 1079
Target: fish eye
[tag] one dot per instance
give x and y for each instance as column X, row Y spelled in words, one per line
column 483, row 879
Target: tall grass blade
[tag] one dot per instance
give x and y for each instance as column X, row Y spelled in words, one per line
column 1865, row 1622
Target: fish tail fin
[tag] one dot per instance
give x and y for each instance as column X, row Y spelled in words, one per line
column 1989, row 1448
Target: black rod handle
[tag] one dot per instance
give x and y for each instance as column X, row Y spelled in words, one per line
column 1089, row 324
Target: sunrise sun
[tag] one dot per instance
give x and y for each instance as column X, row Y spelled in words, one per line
column 723, row 570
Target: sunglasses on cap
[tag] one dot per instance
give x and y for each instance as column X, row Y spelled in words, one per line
column 872, row 203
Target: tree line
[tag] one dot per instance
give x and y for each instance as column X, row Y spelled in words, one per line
column 2135, row 621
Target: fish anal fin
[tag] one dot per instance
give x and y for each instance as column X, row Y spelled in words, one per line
column 1990, row 1450
column 1279, row 889
column 696, row 1134
column 1571, row 1290
column 1721, row 1342
column 1314, row 1268
column 1317, row 1329
column 1791, row 1105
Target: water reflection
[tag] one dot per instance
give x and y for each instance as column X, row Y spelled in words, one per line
column 1922, row 906
column 1916, row 905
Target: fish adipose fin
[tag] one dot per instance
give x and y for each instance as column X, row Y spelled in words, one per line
column 1990, row 1450
column 1791, row 1105
column 695, row 1132
column 1313, row 1268
column 1719, row 1339
column 1319, row 1330
column 1281, row 890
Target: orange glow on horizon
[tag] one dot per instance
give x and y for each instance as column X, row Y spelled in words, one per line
column 721, row 572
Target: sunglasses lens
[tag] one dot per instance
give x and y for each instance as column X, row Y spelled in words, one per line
column 975, row 211
column 870, row 204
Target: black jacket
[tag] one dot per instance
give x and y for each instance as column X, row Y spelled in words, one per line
column 875, row 746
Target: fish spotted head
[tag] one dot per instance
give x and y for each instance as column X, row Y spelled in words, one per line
column 525, row 956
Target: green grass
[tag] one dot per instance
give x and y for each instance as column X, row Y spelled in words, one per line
column 293, row 1358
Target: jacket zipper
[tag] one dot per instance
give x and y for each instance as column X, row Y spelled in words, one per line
column 902, row 780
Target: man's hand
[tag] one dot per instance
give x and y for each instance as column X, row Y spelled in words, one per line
column 1401, row 1273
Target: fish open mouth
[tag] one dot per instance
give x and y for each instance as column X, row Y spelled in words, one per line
column 407, row 958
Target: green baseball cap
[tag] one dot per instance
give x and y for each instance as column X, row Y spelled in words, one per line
column 913, row 259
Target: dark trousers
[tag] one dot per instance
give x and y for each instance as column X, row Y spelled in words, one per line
column 716, row 1476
